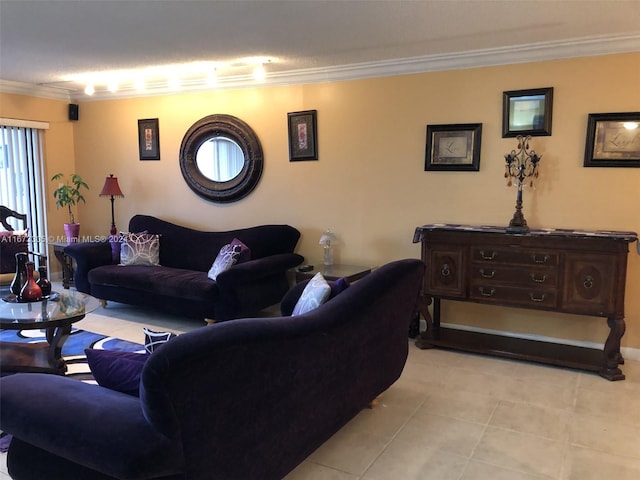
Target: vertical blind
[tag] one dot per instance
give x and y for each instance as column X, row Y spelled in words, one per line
column 22, row 180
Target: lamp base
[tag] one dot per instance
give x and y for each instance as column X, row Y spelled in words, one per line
column 517, row 229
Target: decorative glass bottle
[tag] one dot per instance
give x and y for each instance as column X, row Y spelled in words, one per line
column 43, row 282
column 21, row 273
column 30, row 292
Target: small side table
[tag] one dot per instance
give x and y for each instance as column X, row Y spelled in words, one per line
column 66, row 263
column 335, row 271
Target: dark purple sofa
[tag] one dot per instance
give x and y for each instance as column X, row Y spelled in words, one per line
column 180, row 284
column 242, row 400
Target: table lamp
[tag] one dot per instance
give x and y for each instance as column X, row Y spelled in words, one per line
column 111, row 189
column 328, row 239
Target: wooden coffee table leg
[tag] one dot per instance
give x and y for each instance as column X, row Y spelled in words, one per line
column 56, row 336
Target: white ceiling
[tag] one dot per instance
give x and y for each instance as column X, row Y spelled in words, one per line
column 42, row 42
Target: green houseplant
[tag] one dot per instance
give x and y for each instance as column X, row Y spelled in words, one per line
column 69, row 194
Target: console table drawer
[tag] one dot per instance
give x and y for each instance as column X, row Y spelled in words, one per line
column 514, row 255
column 540, row 277
column 514, row 296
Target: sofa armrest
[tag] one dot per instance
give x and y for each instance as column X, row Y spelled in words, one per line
column 96, row 427
column 88, row 255
column 249, row 272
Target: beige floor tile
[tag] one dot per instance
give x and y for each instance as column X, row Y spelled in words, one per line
column 312, row 471
column 544, row 394
column 585, row 464
column 538, row 372
column 552, row 423
column 611, row 401
column 521, row 452
column 483, row 471
column 444, row 433
column 605, row 436
column 381, row 420
column 350, row 450
column 412, row 461
column 467, row 406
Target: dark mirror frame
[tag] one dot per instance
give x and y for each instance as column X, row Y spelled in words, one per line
column 220, row 125
column 540, row 128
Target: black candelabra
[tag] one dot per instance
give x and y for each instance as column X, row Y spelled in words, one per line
column 521, row 168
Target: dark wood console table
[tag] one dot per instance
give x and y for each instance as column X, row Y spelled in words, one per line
column 568, row 271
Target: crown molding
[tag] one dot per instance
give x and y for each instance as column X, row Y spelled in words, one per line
column 20, row 88
column 536, row 52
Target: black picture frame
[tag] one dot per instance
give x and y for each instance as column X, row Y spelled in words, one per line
column 453, row 148
column 149, row 139
column 613, row 140
column 527, row 112
column 303, row 135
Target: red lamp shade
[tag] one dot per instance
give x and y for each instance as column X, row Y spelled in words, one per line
column 111, row 189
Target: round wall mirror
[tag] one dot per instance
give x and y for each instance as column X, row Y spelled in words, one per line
column 221, row 158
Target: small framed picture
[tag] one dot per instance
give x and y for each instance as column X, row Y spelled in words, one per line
column 303, row 135
column 527, row 112
column 454, row 148
column 613, row 140
column 149, row 139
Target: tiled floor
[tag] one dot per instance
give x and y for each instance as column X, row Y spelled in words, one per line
column 457, row 416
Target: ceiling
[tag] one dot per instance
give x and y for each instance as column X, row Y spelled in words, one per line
column 42, row 43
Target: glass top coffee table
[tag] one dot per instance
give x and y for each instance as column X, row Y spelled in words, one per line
column 55, row 316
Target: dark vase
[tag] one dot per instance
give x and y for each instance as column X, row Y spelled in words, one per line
column 43, row 282
column 30, row 292
column 21, row 273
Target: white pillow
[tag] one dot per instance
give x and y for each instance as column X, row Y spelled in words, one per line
column 140, row 249
column 314, row 294
column 227, row 257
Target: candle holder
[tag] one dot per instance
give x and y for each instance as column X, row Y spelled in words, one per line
column 521, row 168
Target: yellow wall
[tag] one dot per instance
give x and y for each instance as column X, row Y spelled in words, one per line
column 369, row 185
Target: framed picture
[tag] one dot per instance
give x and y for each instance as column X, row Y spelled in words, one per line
column 303, row 135
column 613, row 140
column 453, row 148
column 149, row 139
column 527, row 112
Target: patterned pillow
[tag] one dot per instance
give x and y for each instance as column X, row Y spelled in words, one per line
column 314, row 294
column 140, row 249
column 245, row 252
column 154, row 340
column 227, row 257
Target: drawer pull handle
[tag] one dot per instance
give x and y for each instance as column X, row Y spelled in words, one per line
column 537, row 259
column 536, row 299
column 537, row 279
column 588, row 281
column 487, row 294
column 487, row 257
column 445, row 271
column 487, row 275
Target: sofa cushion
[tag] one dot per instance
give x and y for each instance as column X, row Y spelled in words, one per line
column 140, row 249
column 10, row 244
column 169, row 282
column 117, row 370
column 154, row 340
column 227, row 258
column 314, row 294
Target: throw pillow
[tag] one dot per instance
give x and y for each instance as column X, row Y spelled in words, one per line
column 140, row 249
column 154, row 340
column 227, row 257
column 117, row 370
column 314, row 294
column 339, row 286
column 245, row 252
column 10, row 244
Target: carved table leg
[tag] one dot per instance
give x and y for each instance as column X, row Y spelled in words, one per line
column 56, row 336
column 424, row 339
column 612, row 356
